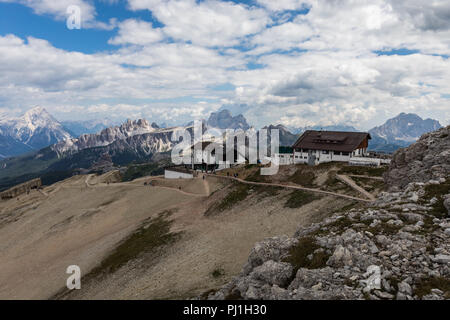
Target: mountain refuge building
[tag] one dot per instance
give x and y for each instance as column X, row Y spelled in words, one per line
column 315, row 147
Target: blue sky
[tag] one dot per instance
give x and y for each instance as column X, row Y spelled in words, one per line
column 25, row 23
column 292, row 62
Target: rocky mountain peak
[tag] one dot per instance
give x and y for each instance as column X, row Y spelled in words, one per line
column 405, row 128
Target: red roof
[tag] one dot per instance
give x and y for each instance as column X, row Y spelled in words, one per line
column 331, row 140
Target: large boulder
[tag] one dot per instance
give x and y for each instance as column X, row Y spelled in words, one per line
column 272, row 272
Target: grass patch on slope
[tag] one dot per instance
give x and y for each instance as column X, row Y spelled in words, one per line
column 369, row 185
column 364, row 171
column 299, row 198
column 257, row 177
column 238, row 194
column 304, row 176
column 153, row 234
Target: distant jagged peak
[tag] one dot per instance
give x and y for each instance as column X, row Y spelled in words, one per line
column 223, row 119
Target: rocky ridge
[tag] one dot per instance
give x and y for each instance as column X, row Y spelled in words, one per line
column 426, row 159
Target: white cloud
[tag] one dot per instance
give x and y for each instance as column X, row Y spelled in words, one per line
column 284, row 37
column 133, row 31
column 281, row 5
column 208, row 23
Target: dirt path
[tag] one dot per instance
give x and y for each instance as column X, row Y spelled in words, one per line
column 296, row 188
column 347, row 180
column 206, row 185
column 182, row 192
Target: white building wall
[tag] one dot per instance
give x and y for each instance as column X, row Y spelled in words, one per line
column 341, row 158
column 300, row 157
column 285, row 159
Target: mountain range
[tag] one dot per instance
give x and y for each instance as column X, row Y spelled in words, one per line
column 36, row 144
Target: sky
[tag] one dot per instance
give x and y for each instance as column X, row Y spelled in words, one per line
column 292, row 62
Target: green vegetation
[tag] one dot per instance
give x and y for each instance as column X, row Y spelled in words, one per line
column 239, row 193
column 268, row 191
column 384, row 228
column 47, row 178
column 153, row 234
column 135, row 171
column 368, row 184
column 348, row 207
column 341, row 224
column 345, row 222
column 257, row 177
column 437, row 191
column 217, row 273
column 364, row 171
column 299, row 198
column 299, row 255
column 426, row 284
column 31, row 164
column 304, row 176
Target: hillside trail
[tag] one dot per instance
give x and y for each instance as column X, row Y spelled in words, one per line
column 295, row 188
column 347, row 180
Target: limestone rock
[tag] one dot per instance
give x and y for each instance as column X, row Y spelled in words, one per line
column 272, row 272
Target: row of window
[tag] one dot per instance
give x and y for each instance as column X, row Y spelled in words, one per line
column 327, row 152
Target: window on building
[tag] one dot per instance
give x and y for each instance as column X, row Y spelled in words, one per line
column 345, row 153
